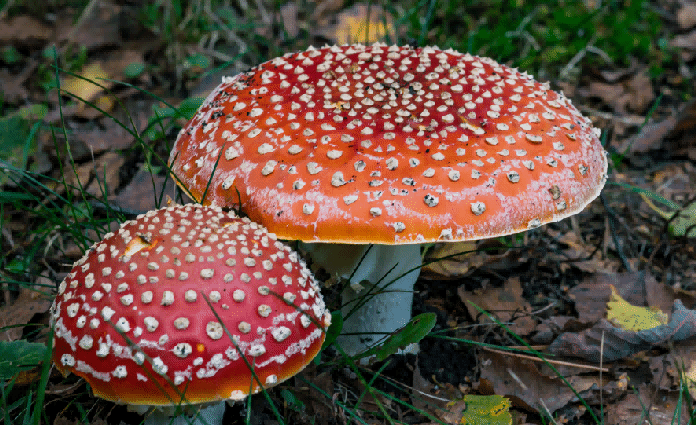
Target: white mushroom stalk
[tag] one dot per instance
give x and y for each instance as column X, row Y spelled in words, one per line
column 383, row 275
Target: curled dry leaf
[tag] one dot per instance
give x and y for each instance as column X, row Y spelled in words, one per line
column 620, row 343
column 20, row 312
column 503, row 303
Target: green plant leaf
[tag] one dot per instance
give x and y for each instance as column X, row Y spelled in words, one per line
column 293, row 402
column 17, row 142
column 16, row 356
column 189, row 106
column 134, row 70
column 414, row 331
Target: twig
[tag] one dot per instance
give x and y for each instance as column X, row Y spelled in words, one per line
column 537, row 359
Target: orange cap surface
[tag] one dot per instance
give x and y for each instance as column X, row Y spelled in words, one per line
column 390, row 145
column 132, row 318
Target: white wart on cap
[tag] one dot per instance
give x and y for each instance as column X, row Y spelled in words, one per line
column 132, row 318
column 389, row 145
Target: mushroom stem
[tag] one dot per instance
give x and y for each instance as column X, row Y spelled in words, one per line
column 207, row 415
column 388, row 307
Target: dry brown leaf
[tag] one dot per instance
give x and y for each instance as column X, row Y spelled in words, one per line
column 668, row 369
column 75, row 177
column 651, row 136
column 452, row 265
column 98, row 14
column 633, row 95
column 12, row 87
column 424, row 388
column 584, row 255
column 24, row 30
column 604, row 341
column 325, row 9
column 685, row 129
column 20, row 312
column 686, row 16
column 687, row 44
column 139, row 195
column 503, row 303
column 119, row 59
column 453, row 412
column 93, row 84
column 107, row 135
column 289, row 15
column 319, row 407
column 521, row 379
column 107, row 179
column 632, row 409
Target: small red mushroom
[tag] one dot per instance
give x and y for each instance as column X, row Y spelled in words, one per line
column 181, row 304
column 389, row 145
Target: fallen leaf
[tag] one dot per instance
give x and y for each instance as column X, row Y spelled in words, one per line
column 651, row 136
column 141, row 193
column 289, row 15
column 610, row 343
column 631, row 317
column 453, row 412
column 87, row 87
column 107, row 174
column 24, row 30
column 450, row 259
column 99, row 14
column 638, row 288
column 87, row 141
column 633, row 95
column 668, row 370
column 361, row 24
column 20, row 312
column 485, row 409
column 12, row 87
column 502, row 303
column 687, row 44
column 521, row 379
column 686, row 16
column 648, row 406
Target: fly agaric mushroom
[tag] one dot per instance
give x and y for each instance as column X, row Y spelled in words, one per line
column 146, row 315
column 392, row 146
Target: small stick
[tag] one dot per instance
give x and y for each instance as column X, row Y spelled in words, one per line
column 555, row 362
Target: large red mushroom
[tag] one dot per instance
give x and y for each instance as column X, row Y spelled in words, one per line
column 185, row 305
column 392, row 146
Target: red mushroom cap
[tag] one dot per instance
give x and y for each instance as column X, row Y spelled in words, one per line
column 133, row 318
column 378, row 144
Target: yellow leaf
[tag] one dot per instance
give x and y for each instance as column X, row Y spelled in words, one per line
column 355, row 25
column 85, row 87
column 489, row 410
column 633, row 318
